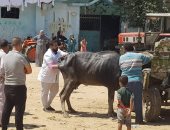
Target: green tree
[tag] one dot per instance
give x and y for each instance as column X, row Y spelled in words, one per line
column 134, row 11
column 102, row 7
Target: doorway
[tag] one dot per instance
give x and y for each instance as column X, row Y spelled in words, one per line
column 100, row 31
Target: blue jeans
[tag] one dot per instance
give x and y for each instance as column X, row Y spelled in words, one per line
column 136, row 88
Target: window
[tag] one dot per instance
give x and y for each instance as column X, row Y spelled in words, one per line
column 124, row 39
column 90, row 22
column 13, row 13
column 127, row 39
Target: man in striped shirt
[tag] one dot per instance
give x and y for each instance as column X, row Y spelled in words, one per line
column 131, row 65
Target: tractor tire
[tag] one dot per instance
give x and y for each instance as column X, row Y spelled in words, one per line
column 151, row 104
column 30, row 53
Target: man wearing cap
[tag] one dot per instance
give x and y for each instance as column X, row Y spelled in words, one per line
column 41, row 47
column 4, row 48
column 131, row 65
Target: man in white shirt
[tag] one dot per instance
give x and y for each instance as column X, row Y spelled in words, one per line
column 4, row 48
column 49, row 75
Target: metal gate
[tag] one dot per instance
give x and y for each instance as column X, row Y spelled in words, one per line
column 90, row 27
column 101, row 31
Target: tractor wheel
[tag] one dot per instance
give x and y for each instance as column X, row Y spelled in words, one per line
column 151, row 104
column 30, row 53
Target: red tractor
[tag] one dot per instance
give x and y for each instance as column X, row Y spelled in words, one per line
column 29, row 49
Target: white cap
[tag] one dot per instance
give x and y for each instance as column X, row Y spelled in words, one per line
column 41, row 31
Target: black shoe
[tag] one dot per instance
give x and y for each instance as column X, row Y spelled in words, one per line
column 49, row 109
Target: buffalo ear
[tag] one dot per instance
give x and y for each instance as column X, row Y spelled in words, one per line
column 62, row 58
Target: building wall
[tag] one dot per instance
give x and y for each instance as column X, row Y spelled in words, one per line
column 63, row 17
column 22, row 27
column 33, row 19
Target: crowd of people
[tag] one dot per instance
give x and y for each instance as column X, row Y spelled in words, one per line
column 48, row 53
column 70, row 45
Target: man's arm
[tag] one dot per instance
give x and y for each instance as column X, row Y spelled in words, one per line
column 120, row 103
column 54, row 66
column 2, row 71
column 35, row 38
column 49, row 61
column 27, row 66
column 146, row 58
column 63, row 55
column 131, row 105
column 28, row 69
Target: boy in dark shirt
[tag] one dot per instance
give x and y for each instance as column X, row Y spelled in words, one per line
column 125, row 103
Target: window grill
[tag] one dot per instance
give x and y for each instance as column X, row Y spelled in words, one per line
column 89, row 22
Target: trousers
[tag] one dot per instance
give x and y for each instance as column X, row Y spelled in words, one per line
column 15, row 96
column 48, row 93
column 136, row 88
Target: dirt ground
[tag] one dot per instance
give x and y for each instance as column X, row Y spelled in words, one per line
column 89, row 101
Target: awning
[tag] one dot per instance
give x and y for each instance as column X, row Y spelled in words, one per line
column 158, row 14
column 4, row 3
column 21, row 3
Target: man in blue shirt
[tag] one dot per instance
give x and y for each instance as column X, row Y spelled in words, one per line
column 131, row 65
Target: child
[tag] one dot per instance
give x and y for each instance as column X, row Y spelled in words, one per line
column 83, row 44
column 125, row 104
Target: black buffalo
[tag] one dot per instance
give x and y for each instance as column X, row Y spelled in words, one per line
column 101, row 69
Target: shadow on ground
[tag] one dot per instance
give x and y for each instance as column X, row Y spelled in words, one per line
column 25, row 114
column 28, row 126
column 89, row 114
column 164, row 118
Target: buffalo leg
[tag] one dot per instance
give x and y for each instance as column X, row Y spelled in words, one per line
column 64, row 95
column 110, row 102
column 62, row 91
column 71, row 110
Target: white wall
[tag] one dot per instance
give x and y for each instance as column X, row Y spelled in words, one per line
column 56, row 15
column 39, row 21
column 22, row 27
column 33, row 19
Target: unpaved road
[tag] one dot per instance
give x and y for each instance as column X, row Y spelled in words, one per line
column 89, row 101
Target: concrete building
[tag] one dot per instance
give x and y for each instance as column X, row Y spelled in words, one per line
column 50, row 16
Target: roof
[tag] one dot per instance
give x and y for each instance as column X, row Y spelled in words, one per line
column 77, row 1
column 81, row 2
